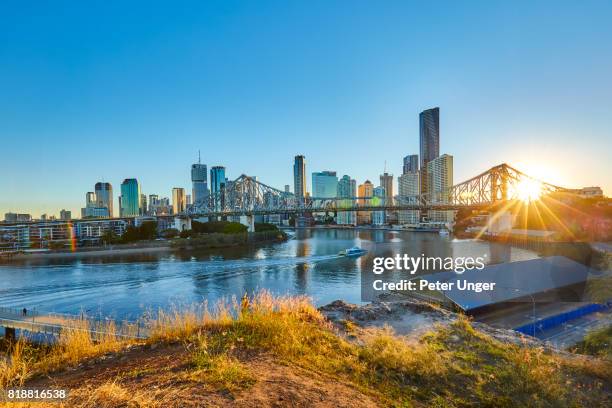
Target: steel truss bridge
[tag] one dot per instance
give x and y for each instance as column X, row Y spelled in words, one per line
column 246, row 196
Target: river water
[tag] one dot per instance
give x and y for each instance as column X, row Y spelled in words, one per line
column 127, row 286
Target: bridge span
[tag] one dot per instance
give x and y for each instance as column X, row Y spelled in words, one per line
column 246, row 196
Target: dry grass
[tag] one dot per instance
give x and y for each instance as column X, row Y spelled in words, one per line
column 453, row 366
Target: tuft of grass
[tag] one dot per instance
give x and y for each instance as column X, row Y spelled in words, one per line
column 15, row 369
column 112, row 394
column 596, row 343
column 213, row 364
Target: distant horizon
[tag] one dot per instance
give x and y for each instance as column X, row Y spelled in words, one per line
column 89, row 95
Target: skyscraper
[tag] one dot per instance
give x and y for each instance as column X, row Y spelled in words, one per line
column 408, row 188
column 386, row 182
column 130, row 198
column 218, row 185
column 378, row 217
column 217, row 179
column 299, row 176
column 179, row 201
column 65, row 215
column 104, row 196
column 143, row 204
column 411, row 163
column 439, row 181
column 429, row 141
column 199, row 181
column 429, row 135
column 324, row 184
column 347, row 188
column 364, row 191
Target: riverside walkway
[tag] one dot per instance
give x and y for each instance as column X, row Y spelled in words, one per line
column 54, row 324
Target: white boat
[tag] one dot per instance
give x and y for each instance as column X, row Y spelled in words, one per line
column 354, row 251
column 444, row 232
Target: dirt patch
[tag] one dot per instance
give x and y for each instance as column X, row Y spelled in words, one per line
column 159, row 377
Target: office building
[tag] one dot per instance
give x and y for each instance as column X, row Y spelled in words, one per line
column 386, row 182
column 92, row 209
column 347, row 187
column 13, row 217
column 179, row 201
column 408, row 190
column 130, row 198
column 90, row 199
column 439, row 182
column 324, row 184
column 199, row 174
column 378, row 217
column 217, row 179
column 411, row 164
column 364, row 191
column 104, row 196
column 287, row 188
column 143, row 204
column 299, row 176
column 65, row 215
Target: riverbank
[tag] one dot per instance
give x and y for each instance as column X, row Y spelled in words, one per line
column 267, row 351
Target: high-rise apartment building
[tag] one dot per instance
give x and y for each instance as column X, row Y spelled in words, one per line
column 179, row 201
column 429, row 141
column 104, row 196
column 65, row 215
column 409, row 187
column 199, row 175
column 347, row 188
column 144, row 209
column 429, row 135
column 299, row 176
column 365, row 191
column 411, row 163
column 130, row 198
column 378, row 217
column 324, row 184
column 439, row 182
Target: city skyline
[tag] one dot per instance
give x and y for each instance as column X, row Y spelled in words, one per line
column 252, row 85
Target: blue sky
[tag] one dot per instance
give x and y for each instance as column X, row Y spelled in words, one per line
column 105, row 90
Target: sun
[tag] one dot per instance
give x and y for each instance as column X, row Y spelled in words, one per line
column 528, row 190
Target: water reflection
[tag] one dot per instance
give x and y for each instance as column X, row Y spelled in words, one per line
column 127, row 285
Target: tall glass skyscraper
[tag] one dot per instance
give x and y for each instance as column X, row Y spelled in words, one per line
column 411, row 164
column 104, row 197
column 217, row 179
column 347, row 187
column 130, row 198
column 324, row 184
column 429, row 135
column 299, row 176
column 199, row 179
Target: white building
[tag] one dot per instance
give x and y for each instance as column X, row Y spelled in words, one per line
column 439, row 182
column 408, row 187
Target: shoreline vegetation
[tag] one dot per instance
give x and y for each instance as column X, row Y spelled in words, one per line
column 282, row 351
column 142, row 240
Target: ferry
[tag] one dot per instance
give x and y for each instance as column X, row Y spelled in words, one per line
column 354, row 251
column 444, row 232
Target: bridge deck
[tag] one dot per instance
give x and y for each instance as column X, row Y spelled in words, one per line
column 55, row 323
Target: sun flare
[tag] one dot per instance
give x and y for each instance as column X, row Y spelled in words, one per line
column 528, row 190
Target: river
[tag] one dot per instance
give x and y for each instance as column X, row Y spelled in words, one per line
column 127, row 286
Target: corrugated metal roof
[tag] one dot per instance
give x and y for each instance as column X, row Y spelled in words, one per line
column 512, row 280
